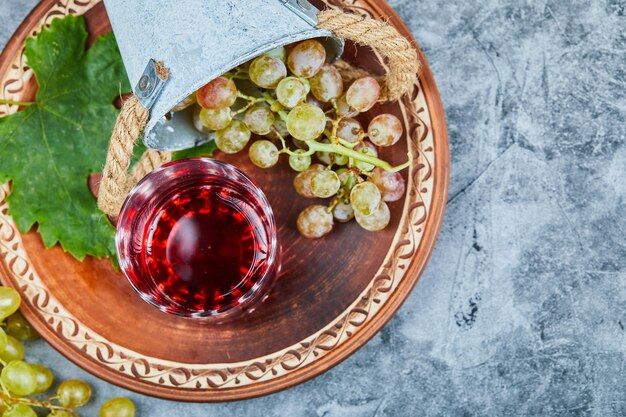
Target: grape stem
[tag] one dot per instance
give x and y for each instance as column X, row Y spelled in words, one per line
column 351, row 153
column 285, row 148
column 16, row 103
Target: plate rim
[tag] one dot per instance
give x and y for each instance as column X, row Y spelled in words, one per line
column 344, row 350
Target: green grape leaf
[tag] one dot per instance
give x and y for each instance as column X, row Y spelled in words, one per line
column 49, row 148
column 203, row 150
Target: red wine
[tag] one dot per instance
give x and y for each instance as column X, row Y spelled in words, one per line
column 203, row 249
column 201, row 246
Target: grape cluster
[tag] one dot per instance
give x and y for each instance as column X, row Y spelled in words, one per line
column 19, row 380
column 300, row 106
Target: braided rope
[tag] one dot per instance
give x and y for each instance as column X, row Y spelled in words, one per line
column 384, row 39
column 113, row 186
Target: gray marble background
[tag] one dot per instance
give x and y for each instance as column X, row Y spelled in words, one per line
column 522, row 308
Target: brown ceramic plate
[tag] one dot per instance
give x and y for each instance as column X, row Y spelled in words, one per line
column 333, row 294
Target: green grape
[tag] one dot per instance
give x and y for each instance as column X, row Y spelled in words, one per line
column 20, row 410
column 385, row 130
column 233, row 138
column 13, row 351
column 215, row 119
column 377, row 220
column 325, row 184
column 9, row 302
column 197, row 122
column 315, row 221
column 348, row 179
column 267, row 71
column 390, row 184
column 44, row 378
column 19, row 378
column 365, row 197
column 306, row 122
column 186, row 102
column 343, row 108
column 259, row 120
column 74, row 393
column 363, row 94
column 327, row 84
column 306, row 58
column 19, row 328
column 263, row 154
column 290, row 92
column 118, row 407
column 340, row 160
column 343, row 212
column 299, row 162
column 302, row 182
column 3, row 340
column 217, row 94
column 280, row 53
column 349, row 129
column 367, row 149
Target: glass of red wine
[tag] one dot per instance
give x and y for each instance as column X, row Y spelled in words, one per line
column 197, row 238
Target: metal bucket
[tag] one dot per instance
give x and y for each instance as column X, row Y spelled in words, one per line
column 199, row 40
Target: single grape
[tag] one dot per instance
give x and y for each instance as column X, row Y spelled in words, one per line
column 390, row 184
column 365, row 197
column 215, row 119
column 267, row 71
column 217, row 94
column 376, row 220
column 343, row 108
column 385, row 130
column 259, row 120
column 302, row 181
column 325, row 184
column 233, row 138
column 327, row 84
column 3, row 339
column 343, row 212
column 197, row 122
column 263, row 154
column 306, row 58
column 19, row 378
column 19, row 328
column 368, row 149
column 21, row 410
column 340, row 160
column 349, row 129
column 315, row 221
column 299, row 162
column 118, row 407
column 44, row 378
column 186, row 102
column 74, row 393
column 306, row 122
column 280, row 53
column 9, row 302
column 363, row 94
column 290, row 92
column 347, row 178
column 13, row 351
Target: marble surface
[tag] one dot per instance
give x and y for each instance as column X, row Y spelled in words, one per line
column 522, row 308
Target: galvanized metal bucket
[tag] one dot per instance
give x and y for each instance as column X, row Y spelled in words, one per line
column 199, row 40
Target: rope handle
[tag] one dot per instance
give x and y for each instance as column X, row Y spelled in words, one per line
column 402, row 62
